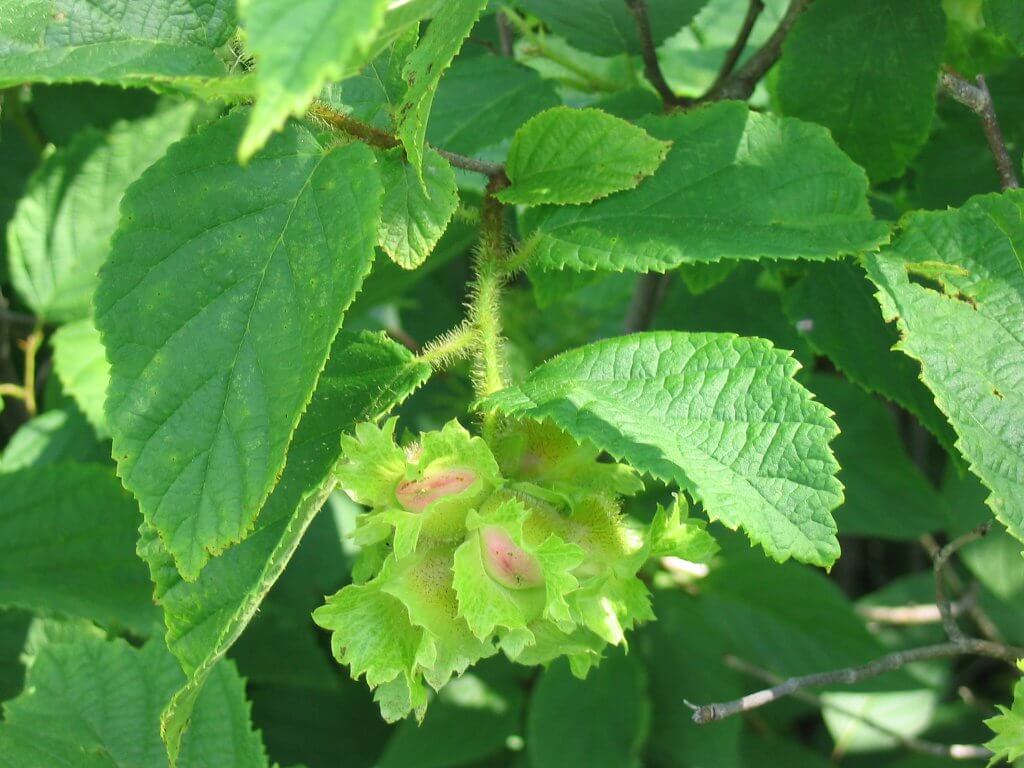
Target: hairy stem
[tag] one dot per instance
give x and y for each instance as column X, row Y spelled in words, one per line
column 453, row 345
column 375, row 137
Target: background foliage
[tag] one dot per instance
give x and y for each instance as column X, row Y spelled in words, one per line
column 811, row 205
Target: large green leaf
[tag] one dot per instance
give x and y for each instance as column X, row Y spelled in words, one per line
column 735, row 185
column 68, row 536
column 718, row 414
column 365, row 377
column 424, row 67
column 834, row 308
column 60, row 234
column 81, row 364
column 95, row 703
column 415, row 215
column 965, row 327
column 299, row 45
column 1006, row 17
column 607, row 27
column 566, row 156
column 886, row 495
column 217, row 307
column 837, row 69
column 481, row 101
column 157, row 43
column 600, row 722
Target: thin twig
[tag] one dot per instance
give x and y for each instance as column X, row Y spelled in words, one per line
column 986, row 626
column 939, row 561
column 707, row 713
column 754, row 11
column 951, row 751
column 652, row 69
column 504, row 33
column 384, row 140
column 741, row 83
column 978, row 99
column 650, row 289
column 917, row 614
column 12, row 390
column 31, row 347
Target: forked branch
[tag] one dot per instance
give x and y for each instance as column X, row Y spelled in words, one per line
column 978, row 99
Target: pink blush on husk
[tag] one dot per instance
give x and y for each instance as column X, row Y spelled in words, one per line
column 507, row 563
column 417, row 495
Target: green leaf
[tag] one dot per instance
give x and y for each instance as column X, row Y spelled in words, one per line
column 1008, row 727
column 836, row 69
column 607, row 27
column 735, row 185
column 68, row 533
column 57, row 436
column 366, row 376
column 261, row 263
column 414, row 216
column 472, row 718
column 480, row 102
column 81, row 365
column 1006, row 17
column 566, row 156
column 718, row 414
column 111, row 41
column 94, row 703
column 600, row 722
column 424, row 67
column 878, row 475
column 833, row 307
column 61, row 231
column 298, row 47
column 965, row 331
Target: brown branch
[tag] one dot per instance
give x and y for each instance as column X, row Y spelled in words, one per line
column 918, row 614
column 732, row 57
column 939, row 561
column 921, row 746
column 650, row 288
column 652, row 69
column 375, row 137
column 708, row 713
column 505, row 38
column 741, row 83
column 978, row 99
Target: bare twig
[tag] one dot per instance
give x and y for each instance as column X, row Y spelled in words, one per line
column 707, row 713
column 741, row 83
column 952, row 751
column 504, row 33
column 985, row 624
column 940, row 558
column 384, row 140
column 652, row 69
column 650, row 288
column 978, row 99
column 754, row 11
column 914, row 615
